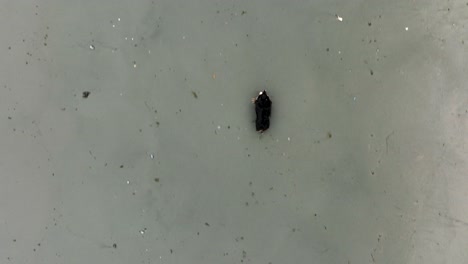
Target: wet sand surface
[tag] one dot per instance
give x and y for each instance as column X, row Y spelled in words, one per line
column 128, row 135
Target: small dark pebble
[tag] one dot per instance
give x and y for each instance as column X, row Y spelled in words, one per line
column 86, row 94
column 156, row 179
column 263, row 111
column 207, row 224
column 114, row 245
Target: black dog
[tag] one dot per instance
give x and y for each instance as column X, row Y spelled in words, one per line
column 263, row 111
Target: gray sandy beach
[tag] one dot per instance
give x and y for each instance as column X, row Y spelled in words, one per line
column 128, row 133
